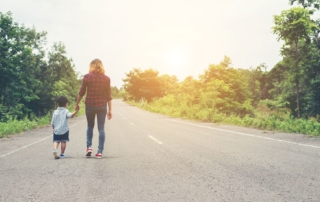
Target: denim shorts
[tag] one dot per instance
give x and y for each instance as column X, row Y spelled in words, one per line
column 61, row 138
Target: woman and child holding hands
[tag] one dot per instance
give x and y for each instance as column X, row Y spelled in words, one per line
column 97, row 87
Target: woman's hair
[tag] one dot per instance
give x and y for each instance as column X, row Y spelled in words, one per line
column 96, row 66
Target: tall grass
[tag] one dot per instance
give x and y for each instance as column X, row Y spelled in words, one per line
column 261, row 118
column 14, row 126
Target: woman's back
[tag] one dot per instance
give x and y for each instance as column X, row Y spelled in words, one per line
column 98, row 89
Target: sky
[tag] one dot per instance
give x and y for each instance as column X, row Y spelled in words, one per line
column 174, row 37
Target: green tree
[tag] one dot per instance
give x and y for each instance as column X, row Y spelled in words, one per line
column 257, row 80
column 294, row 26
column 169, row 84
column 224, row 90
column 115, row 91
column 29, row 83
column 62, row 74
column 143, row 84
column 21, row 55
column 307, row 3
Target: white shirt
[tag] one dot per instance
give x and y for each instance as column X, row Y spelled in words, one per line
column 60, row 120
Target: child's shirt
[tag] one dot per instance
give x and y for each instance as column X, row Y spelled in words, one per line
column 60, row 120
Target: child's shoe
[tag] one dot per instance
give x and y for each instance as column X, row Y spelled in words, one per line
column 62, row 156
column 98, row 155
column 89, row 151
column 55, row 154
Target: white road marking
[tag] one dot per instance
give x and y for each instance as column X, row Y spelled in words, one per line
column 245, row 134
column 76, row 124
column 131, row 123
column 157, row 141
column 33, row 143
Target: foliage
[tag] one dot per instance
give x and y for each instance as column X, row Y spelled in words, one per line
column 30, row 79
column 294, row 27
column 235, row 96
column 307, row 3
column 223, row 89
column 21, row 58
column 264, row 117
column 118, row 93
column 147, row 84
column 220, row 89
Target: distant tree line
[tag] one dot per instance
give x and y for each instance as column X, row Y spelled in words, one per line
column 221, row 88
column 291, row 86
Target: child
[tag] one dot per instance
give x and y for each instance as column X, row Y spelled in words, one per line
column 60, row 126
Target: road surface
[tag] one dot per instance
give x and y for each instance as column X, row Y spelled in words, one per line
column 152, row 157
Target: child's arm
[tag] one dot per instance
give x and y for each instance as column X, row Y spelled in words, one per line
column 71, row 115
column 75, row 112
column 52, row 122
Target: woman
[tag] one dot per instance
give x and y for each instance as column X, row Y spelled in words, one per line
column 97, row 86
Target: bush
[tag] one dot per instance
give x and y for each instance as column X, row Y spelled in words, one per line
column 13, row 126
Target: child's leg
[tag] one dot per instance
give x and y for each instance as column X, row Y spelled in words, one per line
column 63, row 147
column 56, row 145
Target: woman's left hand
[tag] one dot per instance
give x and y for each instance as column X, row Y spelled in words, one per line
column 109, row 115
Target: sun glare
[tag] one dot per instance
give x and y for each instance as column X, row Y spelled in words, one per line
column 176, row 59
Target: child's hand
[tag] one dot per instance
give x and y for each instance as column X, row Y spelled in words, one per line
column 75, row 112
column 77, row 107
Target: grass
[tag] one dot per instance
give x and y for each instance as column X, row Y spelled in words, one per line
column 14, row 126
column 281, row 121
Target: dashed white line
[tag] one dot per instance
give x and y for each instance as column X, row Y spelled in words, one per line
column 245, row 134
column 33, row 143
column 25, row 146
column 157, row 141
column 131, row 123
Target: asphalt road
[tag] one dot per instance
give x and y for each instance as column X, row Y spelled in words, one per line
column 152, row 157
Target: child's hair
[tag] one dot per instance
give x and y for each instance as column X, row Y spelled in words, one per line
column 62, row 101
column 96, row 66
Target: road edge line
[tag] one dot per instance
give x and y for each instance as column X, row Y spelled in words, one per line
column 245, row 134
column 33, row 143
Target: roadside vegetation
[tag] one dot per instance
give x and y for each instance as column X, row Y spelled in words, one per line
column 13, row 126
column 263, row 118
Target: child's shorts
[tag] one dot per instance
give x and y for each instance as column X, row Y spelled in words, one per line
column 61, row 138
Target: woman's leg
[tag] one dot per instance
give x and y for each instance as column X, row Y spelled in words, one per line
column 90, row 114
column 101, row 116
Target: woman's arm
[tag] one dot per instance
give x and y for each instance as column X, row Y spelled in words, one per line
column 77, row 103
column 109, row 115
column 82, row 92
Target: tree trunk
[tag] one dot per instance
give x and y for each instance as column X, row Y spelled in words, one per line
column 297, row 76
column 297, row 94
